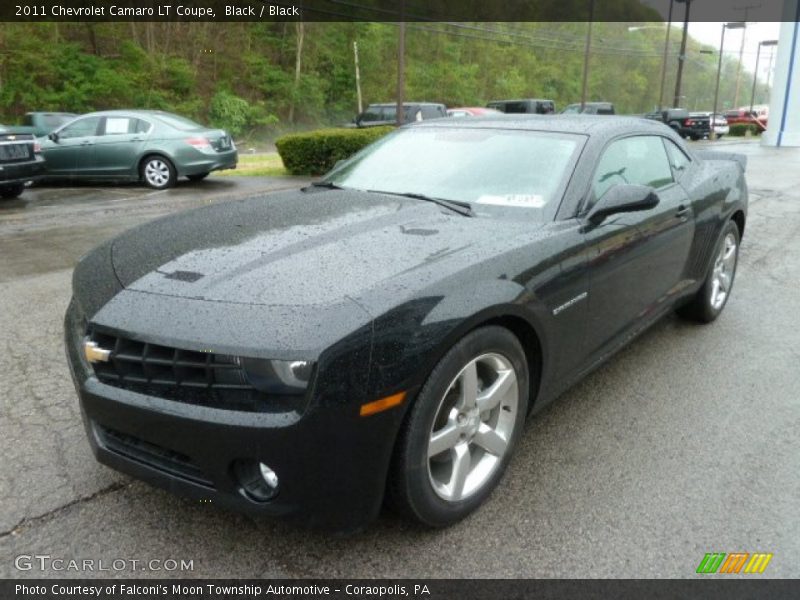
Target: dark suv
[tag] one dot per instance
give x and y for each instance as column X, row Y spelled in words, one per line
column 386, row 114
column 590, row 108
column 536, row 106
column 20, row 161
column 695, row 127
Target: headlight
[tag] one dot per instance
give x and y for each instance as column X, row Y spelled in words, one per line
column 289, row 377
column 275, row 385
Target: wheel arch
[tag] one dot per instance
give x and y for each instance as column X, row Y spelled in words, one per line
column 516, row 319
column 153, row 153
column 738, row 217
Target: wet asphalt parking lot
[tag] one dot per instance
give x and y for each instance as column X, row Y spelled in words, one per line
column 686, row 442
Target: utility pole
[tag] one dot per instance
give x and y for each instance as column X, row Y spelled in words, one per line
column 737, row 25
column 358, row 77
column 401, row 63
column 746, row 10
column 755, row 72
column 664, row 60
column 682, row 56
column 586, row 53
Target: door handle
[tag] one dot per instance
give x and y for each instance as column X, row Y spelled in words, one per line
column 683, row 211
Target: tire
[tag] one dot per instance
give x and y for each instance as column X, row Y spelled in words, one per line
column 197, row 177
column 708, row 303
column 7, row 192
column 424, row 484
column 695, row 138
column 158, row 172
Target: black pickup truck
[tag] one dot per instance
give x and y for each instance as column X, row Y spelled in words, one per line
column 20, row 161
column 686, row 125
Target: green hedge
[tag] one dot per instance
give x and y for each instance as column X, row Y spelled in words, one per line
column 740, row 129
column 315, row 152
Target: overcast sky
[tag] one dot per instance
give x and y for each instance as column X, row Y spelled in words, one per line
column 709, row 33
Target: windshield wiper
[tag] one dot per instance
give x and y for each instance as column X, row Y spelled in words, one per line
column 462, row 208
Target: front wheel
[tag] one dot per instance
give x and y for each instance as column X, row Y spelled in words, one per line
column 7, row 192
column 710, row 299
column 158, row 172
column 459, row 435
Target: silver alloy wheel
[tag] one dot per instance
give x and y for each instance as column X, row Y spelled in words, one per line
column 156, row 172
column 473, row 426
column 722, row 276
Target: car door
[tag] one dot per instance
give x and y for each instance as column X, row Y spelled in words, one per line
column 71, row 153
column 637, row 259
column 120, row 144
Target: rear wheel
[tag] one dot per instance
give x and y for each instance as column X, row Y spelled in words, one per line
column 459, row 435
column 198, row 177
column 158, row 172
column 710, row 299
column 7, row 192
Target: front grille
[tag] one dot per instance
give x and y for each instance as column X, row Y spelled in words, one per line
column 152, row 455
column 201, row 378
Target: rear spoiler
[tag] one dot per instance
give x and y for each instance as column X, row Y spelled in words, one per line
column 716, row 155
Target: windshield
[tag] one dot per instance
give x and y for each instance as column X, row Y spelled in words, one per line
column 495, row 170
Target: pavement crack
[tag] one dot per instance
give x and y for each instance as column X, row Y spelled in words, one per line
column 25, row 521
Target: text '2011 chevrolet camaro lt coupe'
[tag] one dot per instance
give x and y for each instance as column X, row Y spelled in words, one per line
column 384, row 332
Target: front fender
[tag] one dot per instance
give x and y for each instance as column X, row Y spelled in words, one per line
column 412, row 338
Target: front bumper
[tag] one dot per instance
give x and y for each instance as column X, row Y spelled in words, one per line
column 331, row 463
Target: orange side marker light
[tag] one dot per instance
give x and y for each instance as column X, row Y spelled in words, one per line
column 376, row 406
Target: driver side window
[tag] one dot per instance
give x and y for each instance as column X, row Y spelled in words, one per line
column 640, row 159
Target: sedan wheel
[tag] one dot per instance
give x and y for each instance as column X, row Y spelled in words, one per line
column 158, row 173
column 460, row 433
column 710, row 299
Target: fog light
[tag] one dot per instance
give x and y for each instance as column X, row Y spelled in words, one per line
column 258, row 482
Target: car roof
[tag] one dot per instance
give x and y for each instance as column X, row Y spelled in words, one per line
column 607, row 125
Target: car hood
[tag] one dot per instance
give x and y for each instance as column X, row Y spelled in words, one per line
column 303, row 248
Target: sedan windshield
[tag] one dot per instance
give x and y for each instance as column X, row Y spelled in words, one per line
column 496, row 171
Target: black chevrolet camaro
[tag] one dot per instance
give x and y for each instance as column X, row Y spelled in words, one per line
column 384, row 332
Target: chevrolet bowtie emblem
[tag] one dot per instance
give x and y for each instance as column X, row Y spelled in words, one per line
column 95, row 353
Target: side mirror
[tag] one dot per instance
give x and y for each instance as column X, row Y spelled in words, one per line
column 53, row 136
column 621, row 199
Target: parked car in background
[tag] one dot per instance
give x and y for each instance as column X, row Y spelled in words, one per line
column 719, row 123
column 590, row 108
column 42, row 123
column 535, row 106
column 20, row 161
column 744, row 116
column 683, row 123
column 472, row 111
column 386, row 113
column 137, row 145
